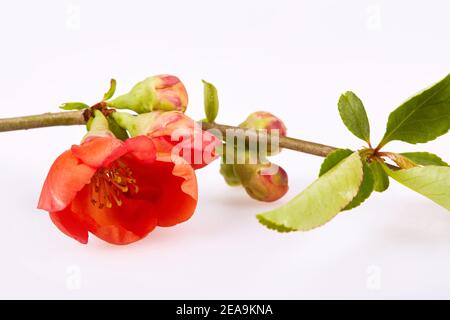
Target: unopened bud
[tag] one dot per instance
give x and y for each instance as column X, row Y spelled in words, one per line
column 262, row 120
column 263, row 181
column 162, row 92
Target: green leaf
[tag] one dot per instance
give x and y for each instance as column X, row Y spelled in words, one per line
column 118, row 131
column 211, row 101
column 73, row 106
column 333, row 159
column 321, row 201
column 89, row 123
column 354, row 115
column 273, row 225
column 422, row 118
column 112, row 89
column 431, row 181
column 424, row 158
column 366, row 187
column 380, row 178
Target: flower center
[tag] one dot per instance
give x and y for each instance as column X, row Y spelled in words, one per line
column 108, row 185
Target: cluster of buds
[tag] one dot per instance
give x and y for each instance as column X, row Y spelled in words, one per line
column 261, row 179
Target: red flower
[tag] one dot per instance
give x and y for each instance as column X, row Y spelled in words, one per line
column 119, row 191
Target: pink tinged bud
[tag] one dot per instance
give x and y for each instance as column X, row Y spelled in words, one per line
column 171, row 94
column 264, row 120
column 173, row 133
column 162, row 92
column 165, row 123
column 264, row 182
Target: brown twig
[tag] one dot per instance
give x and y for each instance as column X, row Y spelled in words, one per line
column 304, row 146
column 77, row 118
column 69, row 118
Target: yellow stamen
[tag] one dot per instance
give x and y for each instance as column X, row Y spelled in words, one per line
column 109, row 185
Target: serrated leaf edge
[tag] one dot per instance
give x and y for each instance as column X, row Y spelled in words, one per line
column 275, row 226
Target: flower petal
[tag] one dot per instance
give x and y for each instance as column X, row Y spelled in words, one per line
column 124, row 224
column 141, row 148
column 70, row 224
column 203, row 149
column 99, row 151
column 183, row 170
column 66, row 177
column 171, row 187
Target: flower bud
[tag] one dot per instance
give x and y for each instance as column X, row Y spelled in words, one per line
column 262, row 120
column 263, row 181
column 162, row 92
column 173, row 133
column 227, row 172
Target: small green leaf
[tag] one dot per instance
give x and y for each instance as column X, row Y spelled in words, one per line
column 112, row 89
column 118, row 131
column 380, row 178
column 211, row 101
column 73, row 106
column 425, row 158
column 422, row 118
column 89, row 123
column 354, row 115
column 321, row 201
column 366, row 187
column 431, row 181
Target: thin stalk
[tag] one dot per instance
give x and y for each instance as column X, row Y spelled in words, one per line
column 77, row 118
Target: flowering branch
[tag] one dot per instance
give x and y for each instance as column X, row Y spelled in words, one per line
column 77, row 118
column 136, row 164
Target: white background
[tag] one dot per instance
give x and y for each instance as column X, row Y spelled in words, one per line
column 290, row 57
